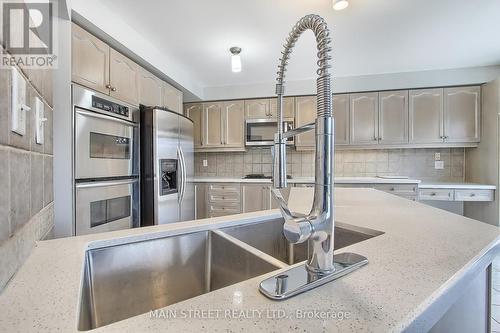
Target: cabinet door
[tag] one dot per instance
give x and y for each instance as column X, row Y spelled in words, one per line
column 288, row 107
column 305, row 112
column 253, row 197
column 364, row 118
column 393, row 117
column 124, row 78
column 341, row 117
column 201, row 200
column 269, row 202
column 172, row 98
column 89, row 60
column 426, row 115
column 212, row 125
column 234, row 124
column 195, row 113
column 461, row 114
column 257, row 108
column 150, row 89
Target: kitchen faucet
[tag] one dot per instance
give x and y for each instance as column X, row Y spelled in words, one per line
column 317, row 227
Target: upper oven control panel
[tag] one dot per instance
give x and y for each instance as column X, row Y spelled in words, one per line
column 109, row 106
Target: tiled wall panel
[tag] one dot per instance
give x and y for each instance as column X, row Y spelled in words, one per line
column 26, row 208
column 418, row 163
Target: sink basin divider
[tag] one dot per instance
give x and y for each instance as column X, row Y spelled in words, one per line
column 264, row 256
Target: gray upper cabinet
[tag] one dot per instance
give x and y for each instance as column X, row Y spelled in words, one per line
column 364, row 118
column 212, row 125
column 123, row 78
column 222, row 125
column 393, row 117
column 426, row 116
column 461, row 114
column 341, row 116
column 150, row 89
column 172, row 98
column 288, row 107
column 234, row 124
column 305, row 112
column 267, row 108
column 195, row 113
column 89, row 60
column 257, row 108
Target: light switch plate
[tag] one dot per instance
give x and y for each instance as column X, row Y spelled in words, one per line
column 205, row 163
column 39, row 120
column 437, row 156
column 439, row 165
column 18, row 103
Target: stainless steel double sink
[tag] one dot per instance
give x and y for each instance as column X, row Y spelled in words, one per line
column 130, row 279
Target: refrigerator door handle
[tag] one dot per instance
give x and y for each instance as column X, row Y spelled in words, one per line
column 184, row 175
column 181, row 175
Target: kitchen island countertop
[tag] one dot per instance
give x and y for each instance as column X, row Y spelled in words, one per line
column 417, row 269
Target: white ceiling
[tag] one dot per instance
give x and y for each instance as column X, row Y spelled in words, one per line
column 369, row 37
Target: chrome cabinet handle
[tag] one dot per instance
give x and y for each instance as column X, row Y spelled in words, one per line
column 113, row 89
column 108, row 86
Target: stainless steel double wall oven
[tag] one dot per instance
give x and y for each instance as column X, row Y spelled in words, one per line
column 106, row 163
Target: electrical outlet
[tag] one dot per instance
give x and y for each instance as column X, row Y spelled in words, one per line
column 39, row 120
column 18, row 103
column 205, row 163
column 439, row 165
column 437, row 156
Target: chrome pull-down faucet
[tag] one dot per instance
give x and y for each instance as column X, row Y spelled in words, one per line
column 317, row 227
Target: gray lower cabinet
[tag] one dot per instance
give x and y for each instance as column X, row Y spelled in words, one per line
column 256, row 197
column 223, row 199
column 200, row 207
column 253, row 197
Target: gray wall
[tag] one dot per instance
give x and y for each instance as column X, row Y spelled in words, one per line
column 418, row 163
column 26, row 199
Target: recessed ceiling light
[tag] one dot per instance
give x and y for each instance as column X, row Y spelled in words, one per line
column 235, row 59
column 340, row 4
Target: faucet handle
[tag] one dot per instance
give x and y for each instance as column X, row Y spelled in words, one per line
column 297, row 231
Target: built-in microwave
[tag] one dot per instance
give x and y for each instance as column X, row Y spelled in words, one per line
column 260, row 132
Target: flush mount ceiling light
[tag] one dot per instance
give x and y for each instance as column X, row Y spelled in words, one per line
column 235, row 59
column 340, row 4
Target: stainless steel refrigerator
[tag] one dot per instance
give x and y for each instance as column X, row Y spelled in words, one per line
column 167, row 167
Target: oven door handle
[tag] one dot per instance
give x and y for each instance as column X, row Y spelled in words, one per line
column 107, row 183
column 104, row 117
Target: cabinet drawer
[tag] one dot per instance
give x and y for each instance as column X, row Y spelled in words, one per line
column 224, row 197
column 397, row 188
column 474, row 195
column 223, row 210
column 224, row 188
column 436, row 194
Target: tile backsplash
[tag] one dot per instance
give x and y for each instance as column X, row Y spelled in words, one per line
column 417, row 163
column 26, row 201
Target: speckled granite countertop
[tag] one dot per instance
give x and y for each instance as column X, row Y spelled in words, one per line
column 417, row 269
column 303, row 180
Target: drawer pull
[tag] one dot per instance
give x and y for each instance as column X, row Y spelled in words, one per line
column 473, row 194
column 434, row 193
column 392, row 189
